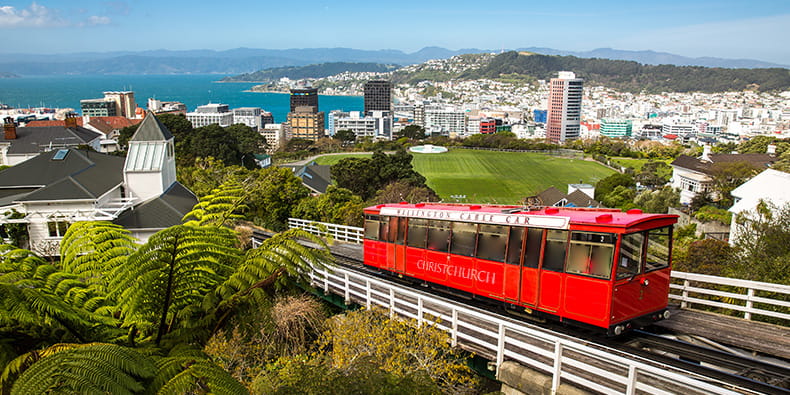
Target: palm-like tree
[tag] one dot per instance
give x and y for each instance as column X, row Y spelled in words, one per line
column 153, row 306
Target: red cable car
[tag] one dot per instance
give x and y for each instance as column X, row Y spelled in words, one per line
column 599, row 267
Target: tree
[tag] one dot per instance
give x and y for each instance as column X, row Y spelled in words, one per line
column 412, row 132
column 727, row 176
column 653, row 174
column 208, row 141
column 608, row 184
column 762, row 244
column 658, row 201
column 345, row 136
column 365, row 176
column 248, row 143
column 708, row 256
column 336, row 205
column 297, row 144
column 400, row 191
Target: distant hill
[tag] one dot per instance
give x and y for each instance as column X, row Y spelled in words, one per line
column 4, row 74
column 656, row 58
column 247, row 60
column 630, row 76
column 310, row 71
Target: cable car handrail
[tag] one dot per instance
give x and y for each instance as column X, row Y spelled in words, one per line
column 688, row 288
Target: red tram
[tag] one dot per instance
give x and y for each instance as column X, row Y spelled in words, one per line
column 601, row 267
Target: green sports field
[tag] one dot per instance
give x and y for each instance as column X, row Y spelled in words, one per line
column 498, row 177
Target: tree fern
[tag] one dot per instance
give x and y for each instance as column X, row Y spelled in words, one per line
column 222, row 205
column 172, row 271
column 91, row 250
column 84, row 368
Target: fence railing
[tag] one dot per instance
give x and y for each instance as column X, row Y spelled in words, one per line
column 688, row 288
column 742, row 295
column 351, row 234
column 565, row 360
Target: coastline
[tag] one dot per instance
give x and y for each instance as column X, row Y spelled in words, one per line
column 288, row 93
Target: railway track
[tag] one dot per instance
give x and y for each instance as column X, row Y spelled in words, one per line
column 736, row 370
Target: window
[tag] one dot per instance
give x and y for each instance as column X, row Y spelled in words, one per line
column 418, row 231
column 438, row 235
column 659, row 242
column 57, row 228
column 464, row 238
column 372, row 227
column 631, row 247
column 403, row 226
column 556, row 241
column 591, row 254
column 384, row 228
column 514, row 243
column 534, row 242
column 491, row 242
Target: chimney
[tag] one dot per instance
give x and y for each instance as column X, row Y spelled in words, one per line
column 771, row 149
column 706, row 150
column 71, row 121
column 9, row 127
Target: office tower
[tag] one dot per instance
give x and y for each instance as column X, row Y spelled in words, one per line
column 305, row 122
column 304, row 97
column 124, row 102
column 565, row 107
column 378, row 96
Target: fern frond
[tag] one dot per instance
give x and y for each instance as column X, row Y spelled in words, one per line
column 221, row 205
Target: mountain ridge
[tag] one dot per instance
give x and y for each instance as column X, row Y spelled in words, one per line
column 246, row 60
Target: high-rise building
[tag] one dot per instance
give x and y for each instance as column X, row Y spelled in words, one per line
column 305, row 122
column 304, row 97
column 250, row 116
column 98, row 108
column 124, row 102
column 378, row 96
column 565, row 107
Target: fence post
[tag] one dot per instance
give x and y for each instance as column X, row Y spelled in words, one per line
column 685, row 294
column 454, row 333
column 347, row 289
column 749, row 304
column 392, row 303
column 419, row 311
column 500, row 347
column 367, row 294
column 555, row 378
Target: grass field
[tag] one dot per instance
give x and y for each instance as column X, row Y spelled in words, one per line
column 497, row 177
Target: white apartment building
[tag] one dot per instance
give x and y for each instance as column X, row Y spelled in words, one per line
column 209, row 114
column 445, row 122
column 250, row 116
column 377, row 126
column 275, row 135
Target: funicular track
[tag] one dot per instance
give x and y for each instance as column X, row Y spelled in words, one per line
column 741, row 374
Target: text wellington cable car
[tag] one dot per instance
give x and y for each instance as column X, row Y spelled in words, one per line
column 599, row 267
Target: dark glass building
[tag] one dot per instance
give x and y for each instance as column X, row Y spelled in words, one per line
column 378, row 96
column 304, row 97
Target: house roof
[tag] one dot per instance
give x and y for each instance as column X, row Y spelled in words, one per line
column 759, row 161
column 316, row 177
column 770, row 185
column 551, row 196
column 32, row 140
column 578, row 198
column 115, row 122
column 78, row 175
column 151, row 129
column 161, row 212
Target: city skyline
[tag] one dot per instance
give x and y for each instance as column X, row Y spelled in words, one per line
column 726, row 29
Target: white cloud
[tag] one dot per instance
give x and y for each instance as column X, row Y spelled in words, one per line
column 33, row 16
column 39, row 16
column 98, row 20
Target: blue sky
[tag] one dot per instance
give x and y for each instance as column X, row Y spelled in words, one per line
column 756, row 29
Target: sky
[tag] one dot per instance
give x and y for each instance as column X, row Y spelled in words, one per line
column 757, row 29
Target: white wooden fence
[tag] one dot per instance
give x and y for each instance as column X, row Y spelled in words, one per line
column 694, row 290
column 565, row 360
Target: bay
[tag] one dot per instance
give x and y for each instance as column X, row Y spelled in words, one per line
column 193, row 90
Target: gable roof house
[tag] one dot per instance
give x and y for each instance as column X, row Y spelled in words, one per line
column 139, row 192
column 317, row 178
column 19, row 144
column 694, row 175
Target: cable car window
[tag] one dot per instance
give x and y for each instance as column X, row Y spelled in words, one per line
column 395, row 233
column 464, row 239
column 591, row 254
column 384, row 228
column 403, row 226
column 438, row 235
column 631, row 247
column 556, row 241
column 372, row 227
column 418, row 230
column 534, row 241
column 514, row 243
column 491, row 242
column 658, row 245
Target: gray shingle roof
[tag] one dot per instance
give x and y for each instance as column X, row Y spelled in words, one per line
column 32, row 140
column 161, row 212
column 151, row 129
column 80, row 175
column 759, row 161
